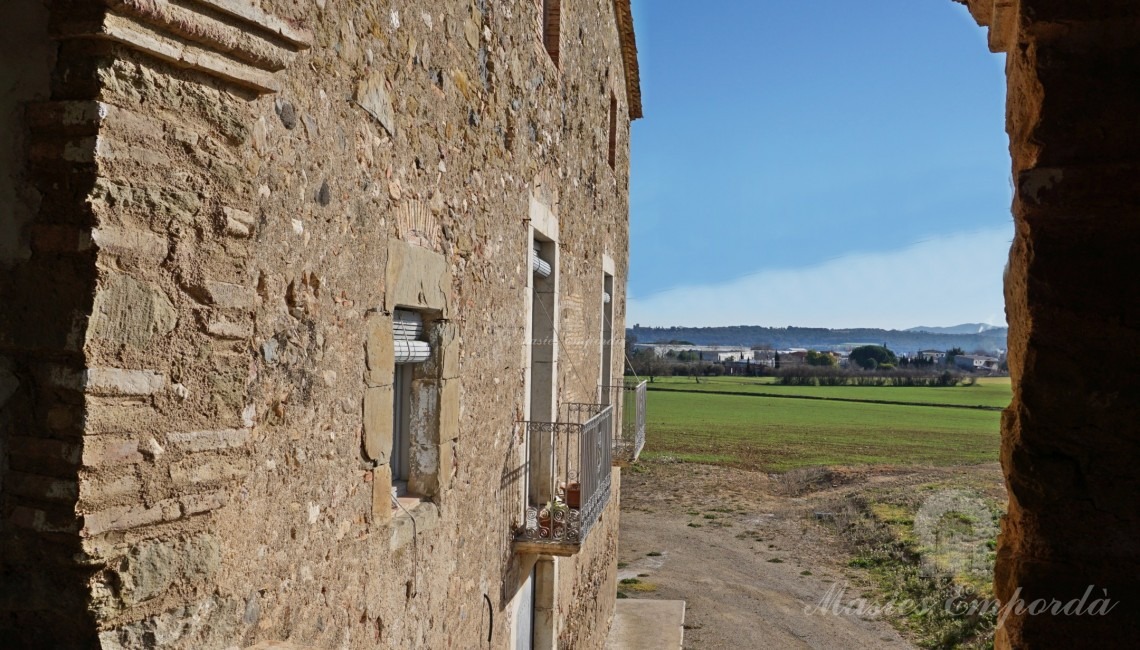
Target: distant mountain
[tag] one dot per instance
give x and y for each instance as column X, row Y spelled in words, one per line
column 965, row 328
column 900, row 341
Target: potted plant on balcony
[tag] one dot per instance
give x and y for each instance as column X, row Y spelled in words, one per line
column 574, row 495
column 552, row 519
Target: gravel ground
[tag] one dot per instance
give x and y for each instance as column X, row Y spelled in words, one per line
column 750, row 561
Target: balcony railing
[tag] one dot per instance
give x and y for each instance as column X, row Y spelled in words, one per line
column 629, row 402
column 567, row 479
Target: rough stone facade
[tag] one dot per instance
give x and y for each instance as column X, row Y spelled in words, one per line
column 212, row 209
column 199, row 203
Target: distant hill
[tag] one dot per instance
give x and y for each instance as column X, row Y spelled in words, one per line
column 900, row 341
column 965, row 328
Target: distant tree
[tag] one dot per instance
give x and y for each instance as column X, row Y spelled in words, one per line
column 815, row 358
column 645, row 362
column 952, row 354
column 870, row 357
column 777, row 361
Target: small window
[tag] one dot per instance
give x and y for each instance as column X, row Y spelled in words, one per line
column 411, row 349
column 613, row 131
column 551, row 27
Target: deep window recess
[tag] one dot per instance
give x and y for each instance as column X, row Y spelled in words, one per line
column 607, row 335
column 551, row 25
column 612, row 158
column 410, row 349
column 539, row 265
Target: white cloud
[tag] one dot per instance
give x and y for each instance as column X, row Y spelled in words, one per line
column 946, row 280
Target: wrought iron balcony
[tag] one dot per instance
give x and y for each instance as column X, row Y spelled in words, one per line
column 567, row 479
column 629, row 402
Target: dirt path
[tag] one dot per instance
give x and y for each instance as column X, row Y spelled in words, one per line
column 748, row 561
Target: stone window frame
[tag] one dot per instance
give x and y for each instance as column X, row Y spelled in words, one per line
column 416, row 279
column 609, row 282
column 543, row 228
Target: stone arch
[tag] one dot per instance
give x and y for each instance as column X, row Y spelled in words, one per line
column 1069, row 443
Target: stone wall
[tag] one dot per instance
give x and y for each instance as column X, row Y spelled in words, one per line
column 195, row 330
column 29, row 56
column 1069, row 443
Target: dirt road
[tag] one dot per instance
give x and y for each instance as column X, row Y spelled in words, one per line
column 753, row 565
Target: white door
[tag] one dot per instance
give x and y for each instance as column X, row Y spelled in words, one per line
column 524, row 616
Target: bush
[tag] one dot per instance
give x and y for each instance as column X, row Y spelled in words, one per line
column 882, row 376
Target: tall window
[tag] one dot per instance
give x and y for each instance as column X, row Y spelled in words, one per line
column 607, row 335
column 551, row 27
column 411, row 349
column 613, row 131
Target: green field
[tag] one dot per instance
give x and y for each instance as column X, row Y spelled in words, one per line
column 778, row 433
column 989, row 392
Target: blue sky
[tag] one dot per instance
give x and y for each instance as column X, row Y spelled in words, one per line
column 818, row 163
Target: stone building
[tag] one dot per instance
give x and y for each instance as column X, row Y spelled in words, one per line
column 307, row 320
column 211, row 211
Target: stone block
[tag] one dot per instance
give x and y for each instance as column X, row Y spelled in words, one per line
column 372, row 96
column 423, row 476
column 152, row 567
column 128, row 517
column 96, row 490
column 448, row 350
column 239, row 223
column 416, row 277
column 197, row 471
column 196, row 441
column 446, row 463
column 382, row 495
column 449, row 409
column 424, row 416
column 130, row 312
column 226, row 330
column 378, row 423
column 130, row 242
column 120, row 382
column 227, row 295
column 378, row 347
column 110, row 451
column 444, row 338
column 193, row 504
column 378, row 378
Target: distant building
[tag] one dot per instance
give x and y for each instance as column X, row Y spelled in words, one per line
column 766, row 358
column 976, row 362
column 934, row 356
column 793, row 358
column 713, row 353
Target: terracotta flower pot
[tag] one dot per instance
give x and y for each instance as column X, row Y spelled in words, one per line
column 574, row 496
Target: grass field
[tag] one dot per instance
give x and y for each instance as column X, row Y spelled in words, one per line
column 778, row 434
column 989, row 392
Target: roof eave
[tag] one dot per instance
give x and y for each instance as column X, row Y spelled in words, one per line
column 624, row 13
